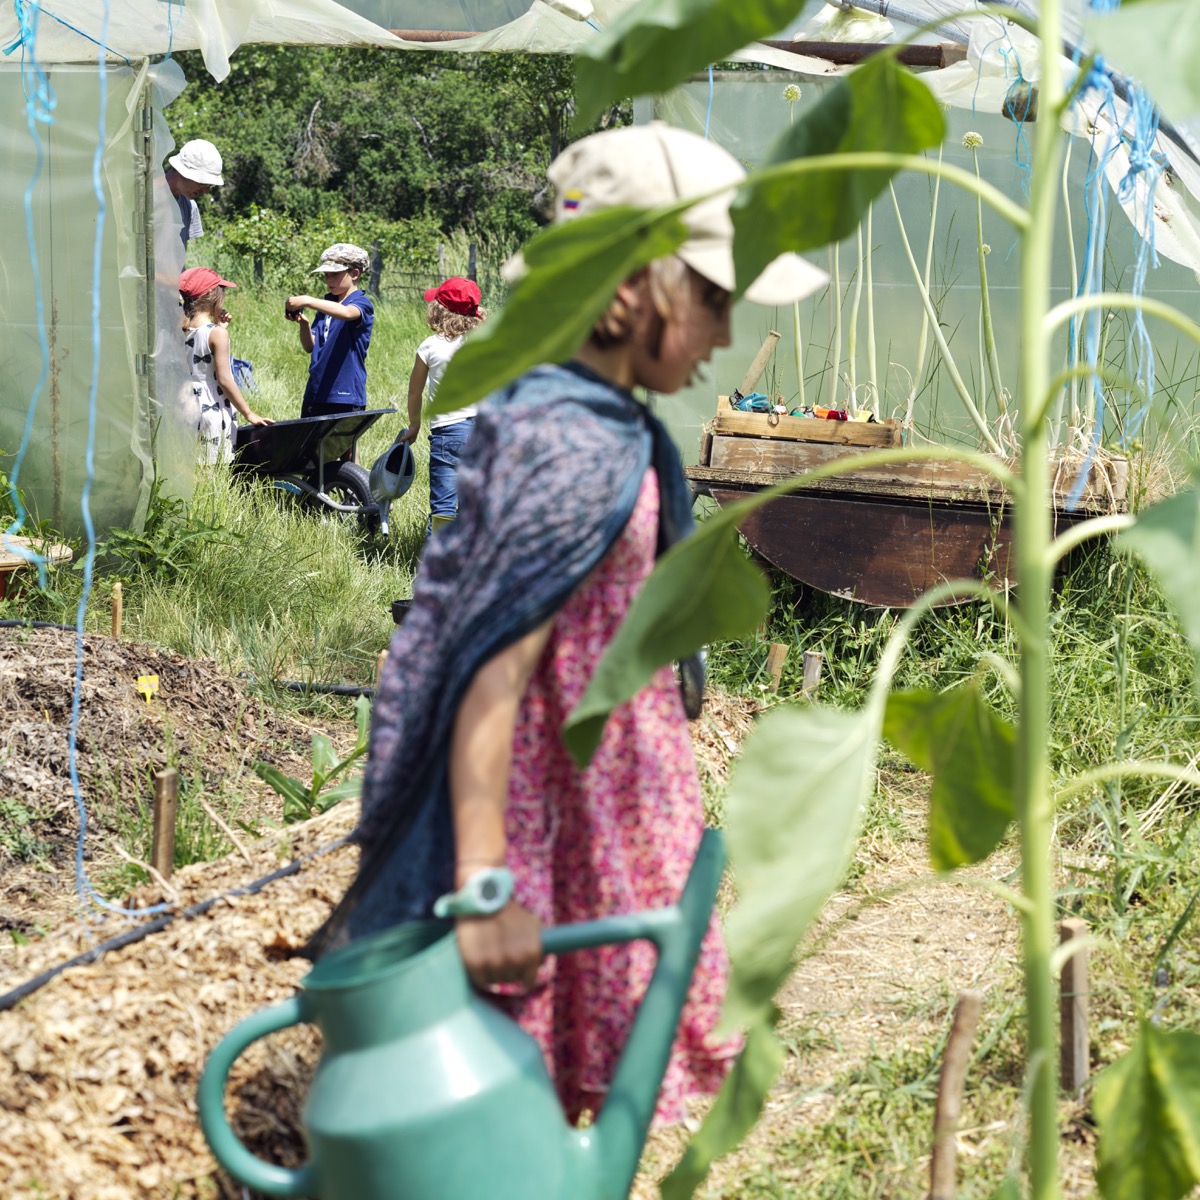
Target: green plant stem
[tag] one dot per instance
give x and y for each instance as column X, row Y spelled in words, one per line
column 1063, row 312
column 923, row 341
column 1084, row 532
column 1130, row 768
column 799, row 350
column 1032, row 534
column 872, row 365
column 951, row 367
column 1072, row 352
column 989, row 334
column 837, row 323
column 852, row 334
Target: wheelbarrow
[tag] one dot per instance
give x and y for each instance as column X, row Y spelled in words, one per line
column 304, row 457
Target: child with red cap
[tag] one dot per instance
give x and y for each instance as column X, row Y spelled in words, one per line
column 453, row 312
column 212, row 389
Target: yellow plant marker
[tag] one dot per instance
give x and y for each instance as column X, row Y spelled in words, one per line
column 148, row 686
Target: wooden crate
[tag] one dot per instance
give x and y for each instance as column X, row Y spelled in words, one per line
column 748, row 450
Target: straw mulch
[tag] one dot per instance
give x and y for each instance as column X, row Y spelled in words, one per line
column 99, row 1069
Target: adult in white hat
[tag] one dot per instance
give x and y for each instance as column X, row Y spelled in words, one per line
column 568, row 489
column 193, row 172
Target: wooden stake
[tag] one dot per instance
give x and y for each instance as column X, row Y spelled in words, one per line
column 1074, row 1057
column 118, row 605
column 379, row 667
column 166, row 806
column 948, row 1111
column 776, row 655
column 813, row 661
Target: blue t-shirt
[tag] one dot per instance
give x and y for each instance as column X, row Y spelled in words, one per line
column 189, row 214
column 338, row 371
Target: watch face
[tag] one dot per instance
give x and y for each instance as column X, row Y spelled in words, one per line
column 489, row 891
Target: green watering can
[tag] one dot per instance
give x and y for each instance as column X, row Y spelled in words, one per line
column 425, row 1091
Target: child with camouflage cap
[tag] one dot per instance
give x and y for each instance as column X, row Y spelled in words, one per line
column 339, row 335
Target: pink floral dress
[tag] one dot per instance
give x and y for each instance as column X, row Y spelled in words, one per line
column 615, row 838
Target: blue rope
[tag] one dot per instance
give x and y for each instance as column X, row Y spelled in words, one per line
column 1144, row 164
column 1149, row 166
column 1091, row 278
column 87, row 893
column 87, row 37
column 708, row 115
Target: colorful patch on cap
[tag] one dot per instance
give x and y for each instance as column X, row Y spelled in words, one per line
column 571, row 200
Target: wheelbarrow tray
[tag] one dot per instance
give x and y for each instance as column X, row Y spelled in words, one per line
column 303, row 445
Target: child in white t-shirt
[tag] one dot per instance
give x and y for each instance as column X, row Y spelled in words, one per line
column 453, row 312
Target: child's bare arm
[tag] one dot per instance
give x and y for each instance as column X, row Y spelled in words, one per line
column 416, row 389
column 507, row 946
column 343, row 312
column 218, row 341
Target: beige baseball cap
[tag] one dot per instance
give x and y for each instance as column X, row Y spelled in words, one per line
column 654, row 165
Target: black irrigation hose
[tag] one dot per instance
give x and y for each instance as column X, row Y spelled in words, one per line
column 325, row 689
column 130, row 936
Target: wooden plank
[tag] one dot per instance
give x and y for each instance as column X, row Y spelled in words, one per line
column 947, row 1113
column 743, row 461
column 938, row 56
column 1074, row 1044
column 166, row 809
column 875, row 551
column 53, row 552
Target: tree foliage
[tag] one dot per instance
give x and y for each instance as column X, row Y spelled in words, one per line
column 452, row 141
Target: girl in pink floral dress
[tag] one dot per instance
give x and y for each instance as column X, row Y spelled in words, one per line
column 568, row 490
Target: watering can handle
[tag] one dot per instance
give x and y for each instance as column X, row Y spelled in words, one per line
column 665, row 927
column 229, row 1151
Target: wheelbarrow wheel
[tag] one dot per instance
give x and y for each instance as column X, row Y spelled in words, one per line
column 352, row 485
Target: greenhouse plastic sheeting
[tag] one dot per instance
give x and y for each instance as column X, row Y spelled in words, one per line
column 48, row 364
column 75, row 31
column 746, row 112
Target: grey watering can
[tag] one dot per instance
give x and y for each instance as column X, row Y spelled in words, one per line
column 425, row 1091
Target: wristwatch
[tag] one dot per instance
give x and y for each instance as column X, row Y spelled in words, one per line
column 485, row 893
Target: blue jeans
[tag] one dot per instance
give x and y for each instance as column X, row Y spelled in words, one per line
column 445, row 448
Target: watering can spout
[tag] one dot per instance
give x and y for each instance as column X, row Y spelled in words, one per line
column 619, row 1134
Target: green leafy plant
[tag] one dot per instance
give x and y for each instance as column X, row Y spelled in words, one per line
column 168, row 544
column 816, row 762
column 302, row 801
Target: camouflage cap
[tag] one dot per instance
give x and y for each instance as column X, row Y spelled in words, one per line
column 341, row 256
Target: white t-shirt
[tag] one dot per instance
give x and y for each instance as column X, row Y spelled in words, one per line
column 436, row 352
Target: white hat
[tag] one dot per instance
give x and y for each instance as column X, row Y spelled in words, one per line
column 199, row 161
column 654, row 165
column 341, row 256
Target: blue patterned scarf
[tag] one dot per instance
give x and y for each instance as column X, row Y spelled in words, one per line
column 546, row 484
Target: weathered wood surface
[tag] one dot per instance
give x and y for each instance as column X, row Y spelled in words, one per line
column 762, row 462
column 880, row 552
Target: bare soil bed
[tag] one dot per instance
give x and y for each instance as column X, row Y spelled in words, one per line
column 200, row 720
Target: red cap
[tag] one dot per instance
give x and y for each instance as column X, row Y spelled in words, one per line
column 195, row 281
column 458, row 295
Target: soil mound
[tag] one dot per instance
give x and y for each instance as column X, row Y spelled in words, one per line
column 200, row 720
